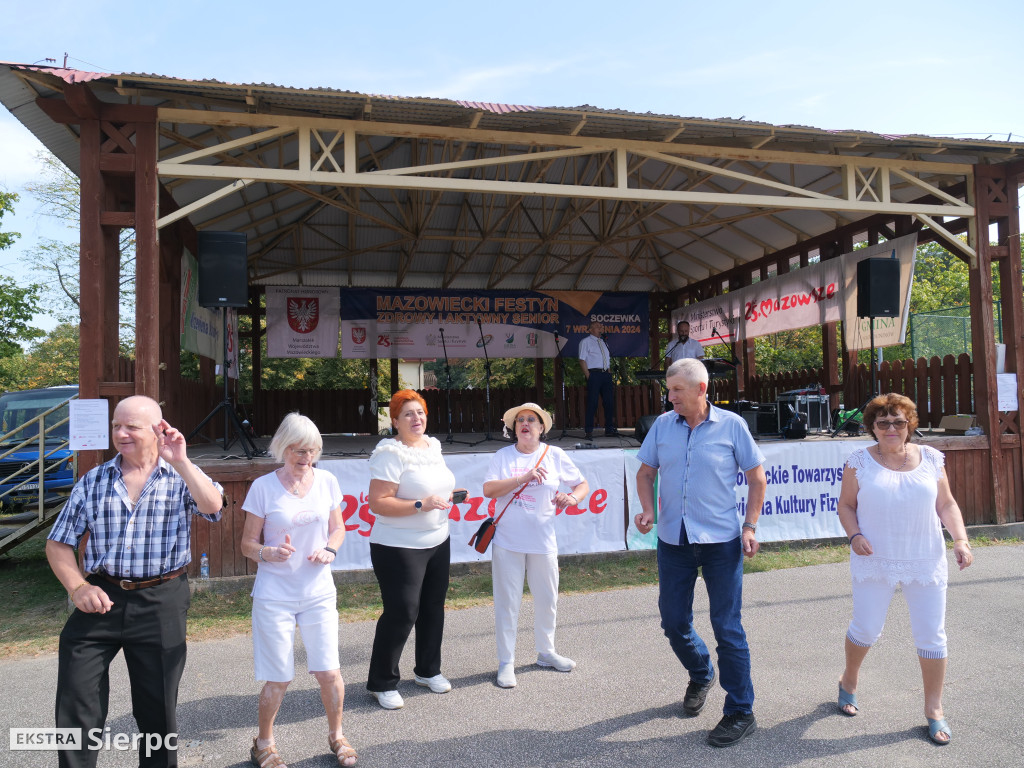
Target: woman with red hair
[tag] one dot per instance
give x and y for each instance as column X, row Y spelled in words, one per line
column 410, row 493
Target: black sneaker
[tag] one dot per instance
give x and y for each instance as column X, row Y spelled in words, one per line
column 696, row 695
column 588, row 436
column 611, row 433
column 732, row 729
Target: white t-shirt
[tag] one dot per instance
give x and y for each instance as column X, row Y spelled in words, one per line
column 418, row 473
column 529, row 522
column 305, row 520
column 689, row 348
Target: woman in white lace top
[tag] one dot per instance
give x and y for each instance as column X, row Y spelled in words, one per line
column 894, row 501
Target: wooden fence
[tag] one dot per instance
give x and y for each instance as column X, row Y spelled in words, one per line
column 938, row 387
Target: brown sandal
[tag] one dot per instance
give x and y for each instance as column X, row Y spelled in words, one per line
column 343, row 751
column 267, row 757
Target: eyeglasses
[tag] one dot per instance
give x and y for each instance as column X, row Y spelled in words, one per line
column 303, row 453
column 526, row 420
column 885, row 425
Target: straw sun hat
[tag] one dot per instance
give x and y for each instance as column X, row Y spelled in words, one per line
column 510, row 417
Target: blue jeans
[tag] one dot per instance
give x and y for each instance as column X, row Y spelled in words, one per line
column 722, row 568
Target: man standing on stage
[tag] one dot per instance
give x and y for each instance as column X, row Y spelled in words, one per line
column 595, row 360
column 683, row 347
column 137, row 509
column 700, row 449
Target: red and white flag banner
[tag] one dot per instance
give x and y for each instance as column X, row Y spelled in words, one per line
column 303, row 321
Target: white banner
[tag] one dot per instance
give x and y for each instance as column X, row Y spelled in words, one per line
column 817, row 294
column 802, row 500
column 798, row 299
column 303, row 321
column 597, row 526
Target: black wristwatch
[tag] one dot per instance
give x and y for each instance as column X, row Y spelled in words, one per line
column 418, row 504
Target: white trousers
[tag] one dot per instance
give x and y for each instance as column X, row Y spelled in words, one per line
column 927, row 604
column 507, row 571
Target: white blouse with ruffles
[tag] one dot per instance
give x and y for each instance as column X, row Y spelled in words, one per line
column 418, row 473
column 896, row 513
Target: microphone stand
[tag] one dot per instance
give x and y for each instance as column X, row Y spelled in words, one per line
column 735, row 360
column 565, row 409
column 487, row 379
column 448, row 392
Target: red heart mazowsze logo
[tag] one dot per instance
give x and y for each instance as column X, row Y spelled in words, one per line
column 766, row 307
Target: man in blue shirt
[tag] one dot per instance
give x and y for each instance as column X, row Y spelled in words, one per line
column 698, row 450
column 137, row 509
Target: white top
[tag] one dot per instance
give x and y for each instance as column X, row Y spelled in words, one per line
column 305, row 520
column 594, row 352
column 529, row 522
column 418, row 473
column 896, row 512
column 689, row 348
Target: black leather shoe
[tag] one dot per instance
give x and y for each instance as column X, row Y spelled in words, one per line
column 611, row 433
column 696, row 695
column 732, row 729
column 588, row 436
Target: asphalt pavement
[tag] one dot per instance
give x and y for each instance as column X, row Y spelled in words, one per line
column 622, row 704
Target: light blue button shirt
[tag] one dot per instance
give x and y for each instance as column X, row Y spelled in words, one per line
column 698, row 471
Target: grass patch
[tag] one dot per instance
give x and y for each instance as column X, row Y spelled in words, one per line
column 38, row 607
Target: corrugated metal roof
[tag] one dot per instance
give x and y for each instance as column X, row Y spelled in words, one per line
column 427, row 239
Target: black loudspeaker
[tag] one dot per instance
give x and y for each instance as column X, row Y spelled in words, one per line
column 878, row 288
column 643, row 426
column 223, row 270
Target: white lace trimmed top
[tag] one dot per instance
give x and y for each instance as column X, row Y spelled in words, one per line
column 417, row 473
column 896, row 513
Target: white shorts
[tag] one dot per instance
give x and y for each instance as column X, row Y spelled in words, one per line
column 273, row 636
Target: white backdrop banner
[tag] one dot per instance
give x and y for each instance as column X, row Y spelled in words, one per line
column 802, row 498
column 596, row 526
column 303, row 321
column 820, row 293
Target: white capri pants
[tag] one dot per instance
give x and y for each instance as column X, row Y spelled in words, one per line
column 273, row 636
column 927, row 604
column 507, row 571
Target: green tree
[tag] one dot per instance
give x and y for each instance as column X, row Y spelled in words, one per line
column 7, row 201
column 53, row 360
column 56, row 262
column 17, row 303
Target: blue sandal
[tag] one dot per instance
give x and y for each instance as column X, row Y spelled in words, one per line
column 847, row 699
column 935, row 727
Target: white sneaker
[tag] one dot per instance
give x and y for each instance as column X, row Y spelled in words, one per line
column 561, row 663
column 437, row 683
column 507, row 675
column 389, row 699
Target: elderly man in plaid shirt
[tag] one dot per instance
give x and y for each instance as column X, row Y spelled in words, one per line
column 137, row 509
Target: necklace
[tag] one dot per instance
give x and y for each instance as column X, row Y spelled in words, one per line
column 906, row 455
column 296, row 486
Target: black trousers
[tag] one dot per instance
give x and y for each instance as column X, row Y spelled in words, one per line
column 413, row 586
column 600, row 385
column 148, row 625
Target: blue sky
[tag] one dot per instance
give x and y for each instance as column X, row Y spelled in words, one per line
column 938, row 68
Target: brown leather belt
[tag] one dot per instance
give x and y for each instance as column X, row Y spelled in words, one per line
column 130, row 584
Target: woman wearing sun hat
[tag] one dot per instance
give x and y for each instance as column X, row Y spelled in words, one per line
column 524, row 544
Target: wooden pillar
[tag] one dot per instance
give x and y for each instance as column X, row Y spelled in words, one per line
column 989, row 199
column 147, row 264
column 92, row 271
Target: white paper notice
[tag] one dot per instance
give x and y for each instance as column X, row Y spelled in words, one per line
column 89, row 427
column 1006, row 391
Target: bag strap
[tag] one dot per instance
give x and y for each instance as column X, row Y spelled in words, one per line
column 522, row 487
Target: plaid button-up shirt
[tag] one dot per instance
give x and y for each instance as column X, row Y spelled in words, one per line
column 141, row 542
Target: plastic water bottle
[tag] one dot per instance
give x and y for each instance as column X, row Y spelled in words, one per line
column 204, row 567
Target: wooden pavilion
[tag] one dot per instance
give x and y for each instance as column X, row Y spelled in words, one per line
column 339, row 188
